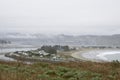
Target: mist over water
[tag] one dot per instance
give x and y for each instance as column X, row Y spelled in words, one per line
column 99, row 17
column 115, row 56
column 103, row 55
column 63, row 22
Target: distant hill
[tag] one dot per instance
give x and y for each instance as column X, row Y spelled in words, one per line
column 80, row 40
column 4, row 42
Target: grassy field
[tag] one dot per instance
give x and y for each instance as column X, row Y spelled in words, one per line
column 60, row 71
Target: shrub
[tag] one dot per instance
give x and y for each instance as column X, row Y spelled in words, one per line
column 50, row 72
column 43, row 76
column 96, row 78
column 115, row 64
column 69, row 74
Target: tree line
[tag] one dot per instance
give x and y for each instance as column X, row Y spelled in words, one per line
column 54, row 49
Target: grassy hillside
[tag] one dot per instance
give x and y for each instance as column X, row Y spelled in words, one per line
column 60, row 71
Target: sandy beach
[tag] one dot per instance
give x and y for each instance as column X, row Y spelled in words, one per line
column 95, row 55
column 79, row 55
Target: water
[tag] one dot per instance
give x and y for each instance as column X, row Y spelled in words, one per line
column 112, row 57
column 2, row 57
column 6, row 50
column 104, row 55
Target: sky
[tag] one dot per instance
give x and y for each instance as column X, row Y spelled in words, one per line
column 99, row 17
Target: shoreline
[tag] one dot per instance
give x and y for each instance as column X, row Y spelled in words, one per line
column 8, row 50
column 79, row 55
column 82, row 54
column 97, row 54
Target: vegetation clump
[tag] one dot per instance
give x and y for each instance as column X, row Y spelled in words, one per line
column 58, row 71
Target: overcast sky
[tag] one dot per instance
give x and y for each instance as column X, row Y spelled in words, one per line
column 60, row 16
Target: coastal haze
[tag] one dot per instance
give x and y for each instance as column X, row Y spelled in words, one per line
column 78, row 40
column 59, row 39
column 32, row 24
column 75, row 17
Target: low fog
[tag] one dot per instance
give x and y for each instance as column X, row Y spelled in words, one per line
column 101, row 17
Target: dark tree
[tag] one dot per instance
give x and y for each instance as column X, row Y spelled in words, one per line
column 66, row 48
column 49, row 49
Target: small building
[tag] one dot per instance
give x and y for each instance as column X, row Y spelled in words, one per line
column 25, row 54
column 42, row 52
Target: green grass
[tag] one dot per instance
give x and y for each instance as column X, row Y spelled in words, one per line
column 60, row 71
